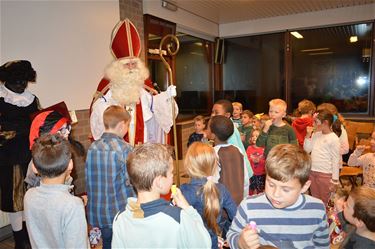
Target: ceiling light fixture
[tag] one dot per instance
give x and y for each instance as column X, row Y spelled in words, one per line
column 353, row 39
column 296, row 35
column 169, row 5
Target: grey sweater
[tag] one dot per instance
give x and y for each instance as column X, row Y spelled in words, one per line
column 55, row 218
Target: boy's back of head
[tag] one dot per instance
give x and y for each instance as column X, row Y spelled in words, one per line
column 286, row 162
column 146, row 162
column 226, row 104
column 222, row 127
column 113, row 115
column 51, row 155
column 306, row 107
column 364, row 206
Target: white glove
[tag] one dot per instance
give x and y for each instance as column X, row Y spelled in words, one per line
column 171, row 91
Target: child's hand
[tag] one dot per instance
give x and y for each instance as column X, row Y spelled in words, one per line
column 179, row 199
column 267, row 125
column 361, row 148
column 309, row 131
column 249, row 238
column 333, row 185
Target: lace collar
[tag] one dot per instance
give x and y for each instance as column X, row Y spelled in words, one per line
column 21, row 100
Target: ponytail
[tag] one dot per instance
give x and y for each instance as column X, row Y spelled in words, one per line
column 211, row 201
column 336, row 125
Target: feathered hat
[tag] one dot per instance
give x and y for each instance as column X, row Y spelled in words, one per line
column 49, row 120
column 20, row 70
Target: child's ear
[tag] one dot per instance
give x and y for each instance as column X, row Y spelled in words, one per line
column 157, row 183
column 120, row 125
column 70, row 165
column 359, row 223
column 34, row 168
column 306, row 186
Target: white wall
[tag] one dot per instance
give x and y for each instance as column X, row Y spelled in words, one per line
column 67, row 43
column 299, row 21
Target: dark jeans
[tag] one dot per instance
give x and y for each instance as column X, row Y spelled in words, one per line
column 106, row 237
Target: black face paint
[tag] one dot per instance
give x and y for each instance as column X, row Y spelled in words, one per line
column 17, row 86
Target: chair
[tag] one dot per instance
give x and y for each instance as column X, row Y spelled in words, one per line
column 351, row 173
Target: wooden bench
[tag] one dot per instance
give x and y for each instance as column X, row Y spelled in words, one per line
column 351, row 173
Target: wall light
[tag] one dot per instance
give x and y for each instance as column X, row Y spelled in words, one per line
column 169, row 5
column 353, row 39
column 296, row 35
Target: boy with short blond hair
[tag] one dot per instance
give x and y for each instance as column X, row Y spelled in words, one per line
column 237, row 114
column 107, row 181
column 306, row 108
column 149, row 221
column 284, row 216
column 275, row 130
column 54, row 217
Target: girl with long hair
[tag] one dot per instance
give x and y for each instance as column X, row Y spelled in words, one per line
column 206, row 196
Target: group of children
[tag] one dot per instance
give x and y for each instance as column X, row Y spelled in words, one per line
column 318, row 131
column 124, row 186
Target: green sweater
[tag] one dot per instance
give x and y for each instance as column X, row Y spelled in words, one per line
column 276, row 135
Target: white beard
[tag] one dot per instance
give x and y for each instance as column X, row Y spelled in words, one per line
column 126, row 84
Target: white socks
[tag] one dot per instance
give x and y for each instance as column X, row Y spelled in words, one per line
column 15, row 220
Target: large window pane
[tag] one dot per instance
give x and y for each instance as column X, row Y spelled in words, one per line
column 329, row 67
column 253, row 70
column 192, row 75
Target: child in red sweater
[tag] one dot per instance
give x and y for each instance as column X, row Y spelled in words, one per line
column 257, row 161
column 306, row 108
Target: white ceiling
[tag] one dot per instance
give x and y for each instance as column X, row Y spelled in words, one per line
column 228, row 11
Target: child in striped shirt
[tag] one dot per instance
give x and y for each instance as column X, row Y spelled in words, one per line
column 284, row 216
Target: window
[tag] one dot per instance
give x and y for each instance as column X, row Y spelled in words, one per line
column 333, row 65
column 253, row 71
column 193, row 70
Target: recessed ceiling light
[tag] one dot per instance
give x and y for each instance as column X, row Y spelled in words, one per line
column 353, row 39
column 296, row 35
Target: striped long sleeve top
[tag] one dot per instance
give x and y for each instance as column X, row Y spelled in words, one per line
column 302, row 225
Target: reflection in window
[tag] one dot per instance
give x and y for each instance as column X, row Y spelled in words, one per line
column 333, row 65
column 192, row 75
column 158, row 74
column 253, row 70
